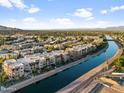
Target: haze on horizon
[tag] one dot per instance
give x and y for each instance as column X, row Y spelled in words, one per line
column 56, row 14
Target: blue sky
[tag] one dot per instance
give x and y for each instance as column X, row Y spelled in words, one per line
column 50, row 14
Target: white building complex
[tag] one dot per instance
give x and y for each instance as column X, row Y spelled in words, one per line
column 33, row 61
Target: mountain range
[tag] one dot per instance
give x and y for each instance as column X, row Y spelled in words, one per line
column 5, row 28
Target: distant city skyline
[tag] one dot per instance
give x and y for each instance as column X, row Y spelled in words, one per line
column 52, row 14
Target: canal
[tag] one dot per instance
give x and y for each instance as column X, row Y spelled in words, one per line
column 60, row 80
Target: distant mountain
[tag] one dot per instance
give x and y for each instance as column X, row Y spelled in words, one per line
column 116, row 28
column 8, row 28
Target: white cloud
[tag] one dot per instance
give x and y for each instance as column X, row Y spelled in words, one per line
column 117, row 8
column 104, row 12
column 33, row 23
column 33, row 9
column 29, row 20
column 84, row 13
column 27, row 23
column 90, row 9
column 90, row 18
column 13, row 3
column 5, row 3
column 18, row 3
column 62, row 21
column 57, row 23
column 113, row 9
column 103, row 22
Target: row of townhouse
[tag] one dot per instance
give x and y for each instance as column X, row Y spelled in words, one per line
column 23, row 66
column 81, row 50
column 7, row 54
column 29, row 51
column 26, row 43
column 37, row 61
column 16, row 40
column 16, row 53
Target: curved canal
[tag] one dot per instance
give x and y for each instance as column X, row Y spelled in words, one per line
column 56, row 82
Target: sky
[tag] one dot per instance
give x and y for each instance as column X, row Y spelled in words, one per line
column 59, row 14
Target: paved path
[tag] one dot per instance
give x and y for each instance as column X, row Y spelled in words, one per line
column 107, row 90
column 111, row 84
column 89, row 87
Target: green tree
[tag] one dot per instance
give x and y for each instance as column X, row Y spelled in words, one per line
column 119, row 63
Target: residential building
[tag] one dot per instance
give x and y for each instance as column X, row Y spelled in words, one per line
column 13, row 69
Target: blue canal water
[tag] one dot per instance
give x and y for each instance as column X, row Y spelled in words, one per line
column 56, row 82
